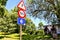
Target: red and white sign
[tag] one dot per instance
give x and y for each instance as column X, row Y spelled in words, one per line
column 21, row 14
column 21, row 6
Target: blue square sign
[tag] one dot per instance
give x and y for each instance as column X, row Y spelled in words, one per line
column 21, row 21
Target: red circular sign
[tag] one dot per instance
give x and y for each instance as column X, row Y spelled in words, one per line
column 21, row 14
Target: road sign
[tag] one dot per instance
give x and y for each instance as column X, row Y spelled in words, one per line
column 21, row 14
column 21, row 21
column 21, row 5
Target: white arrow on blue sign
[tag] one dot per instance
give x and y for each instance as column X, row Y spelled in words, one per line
column 21, row 21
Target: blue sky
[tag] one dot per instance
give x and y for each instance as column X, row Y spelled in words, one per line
column 12, row 3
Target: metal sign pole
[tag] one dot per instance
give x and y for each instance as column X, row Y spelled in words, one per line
column 20, row 32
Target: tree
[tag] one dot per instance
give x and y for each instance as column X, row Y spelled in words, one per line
column 40, row 25
column 8, row 21
column 2, row 7
column 3, row 2
column 45, row 9
column 30, row 26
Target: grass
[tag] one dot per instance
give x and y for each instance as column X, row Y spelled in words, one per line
column 25, row 36
column 14, row 36
column 10, row 37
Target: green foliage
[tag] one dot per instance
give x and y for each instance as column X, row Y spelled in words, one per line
column 2, row 11
column 8, row 22
column 47, row 10
column 40, row 25
column 3, row 2
column 30, row 1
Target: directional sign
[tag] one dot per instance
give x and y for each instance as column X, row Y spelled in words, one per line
column 21, row 5
column 21, row 14
column 21, row 21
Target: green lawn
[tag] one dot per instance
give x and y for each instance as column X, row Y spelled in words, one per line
column 8, row 39
column 25, row 36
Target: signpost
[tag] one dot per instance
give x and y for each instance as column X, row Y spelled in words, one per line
column 20, row 32
column 21, row 13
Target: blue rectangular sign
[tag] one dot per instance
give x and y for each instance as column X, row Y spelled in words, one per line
column 21, row 21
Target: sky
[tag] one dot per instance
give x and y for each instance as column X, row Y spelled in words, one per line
column 12, row 3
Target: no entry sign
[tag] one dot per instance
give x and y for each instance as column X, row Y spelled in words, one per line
column 21, row 14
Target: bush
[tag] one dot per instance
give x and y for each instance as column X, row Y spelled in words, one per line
column 39, row 32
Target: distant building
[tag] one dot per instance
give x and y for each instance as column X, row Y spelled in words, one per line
column 57, row 26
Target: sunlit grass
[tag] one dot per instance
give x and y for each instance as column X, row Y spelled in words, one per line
column 8, row 39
